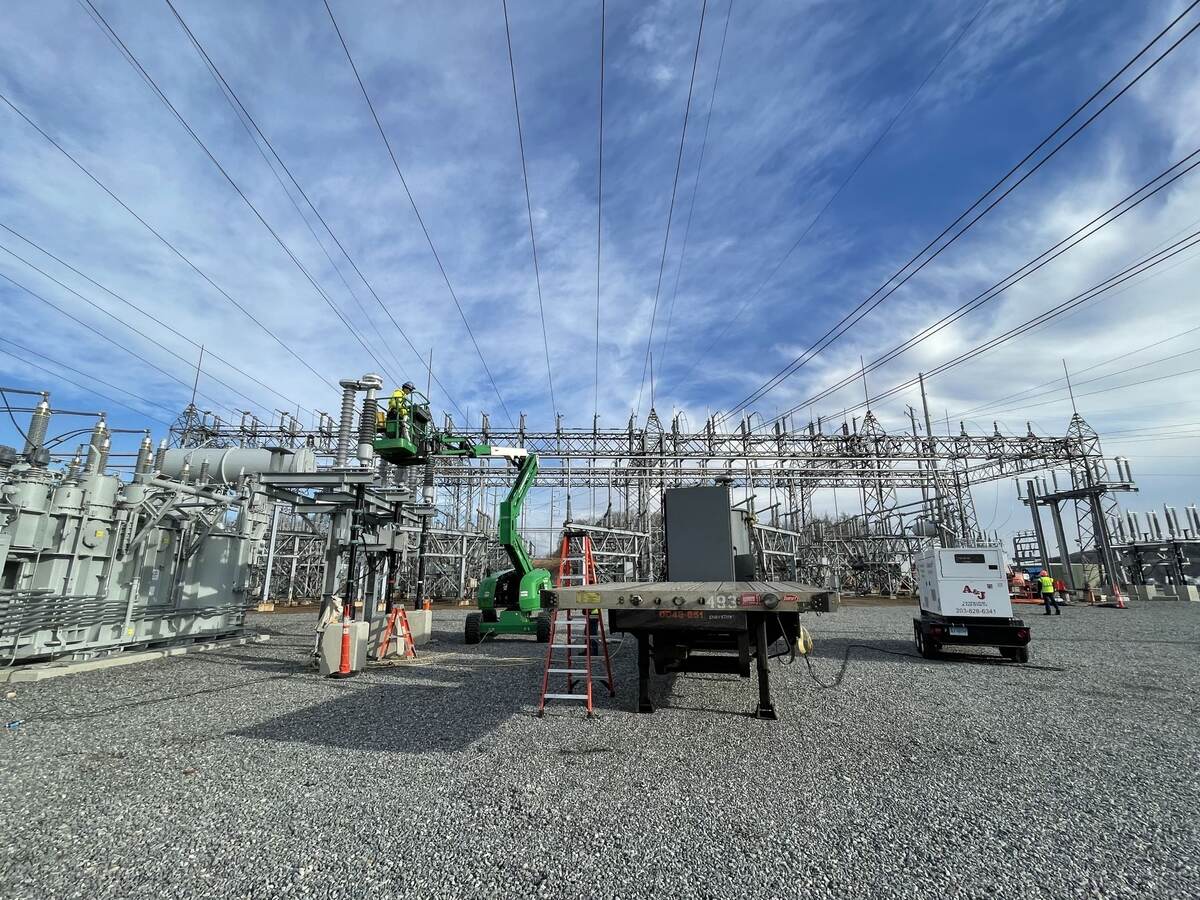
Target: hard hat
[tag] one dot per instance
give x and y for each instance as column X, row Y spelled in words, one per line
column 409, row 386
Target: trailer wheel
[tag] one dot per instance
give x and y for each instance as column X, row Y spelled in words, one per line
column 543, row 628
column 1021, row 655
column 471, row 630
column 926, row 647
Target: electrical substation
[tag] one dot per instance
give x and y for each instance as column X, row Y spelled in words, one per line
column 499, row 541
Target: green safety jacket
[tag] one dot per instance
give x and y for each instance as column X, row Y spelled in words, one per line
column 1047, row 584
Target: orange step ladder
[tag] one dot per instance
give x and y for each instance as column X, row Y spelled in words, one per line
column 576, row 565
column 398, row 616
column 575, row 634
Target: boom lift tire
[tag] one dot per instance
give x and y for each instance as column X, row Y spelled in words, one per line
column 543, row 628
column 471, row 633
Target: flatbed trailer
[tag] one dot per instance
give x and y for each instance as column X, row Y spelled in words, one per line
column 709, row 626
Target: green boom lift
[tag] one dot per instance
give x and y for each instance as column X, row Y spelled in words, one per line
column 510, row 602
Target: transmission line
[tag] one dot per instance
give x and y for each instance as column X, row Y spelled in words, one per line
column 1036, row 391
column 107, row 339
column 412, row 202
column 671, row 208
column 1133, row 271
column 883, row 292
column 170, row 246
column 102, row 23
column 124, row 324
column 599, row 207
column 815, row 220
column 179, row 334
column 244, row 116
column 1106, row 390
column 528, row 204
column 25, row 361
column 1085, row 231
column 687, row 230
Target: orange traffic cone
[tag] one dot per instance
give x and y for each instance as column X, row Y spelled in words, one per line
column 343, row 670
column 1116, row 588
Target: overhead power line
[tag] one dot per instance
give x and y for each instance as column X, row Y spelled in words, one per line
column 245, row 117
column 832, row 199
column 687, row 229
column 1116, row 387
column 1133, row 271
column 170, row 246
column 537, row 275
column 1089, row 229
column 102, row 23
column 671, row 208
column 153, row 318
column 96, row 306
column 925, row 257
column 599, row 207
column 107, row 339
column 1036, row 391
column 412, row 202
column 91, row 378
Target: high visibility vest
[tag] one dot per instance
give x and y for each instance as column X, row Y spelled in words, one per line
column 1047, row 584
column 399, row 402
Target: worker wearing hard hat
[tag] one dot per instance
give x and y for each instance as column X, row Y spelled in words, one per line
column 1046, row 584
column 400, row 404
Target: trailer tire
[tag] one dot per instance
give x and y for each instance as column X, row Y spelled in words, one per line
column 471, row 634
column 927, row 648
column 1021, row 655
column 543, row 629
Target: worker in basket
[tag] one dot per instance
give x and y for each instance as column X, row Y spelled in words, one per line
column 1046, row 583
column 399, row 407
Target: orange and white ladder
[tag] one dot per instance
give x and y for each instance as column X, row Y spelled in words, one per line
column 397, row 627
column 576, row 565
column 574, row 632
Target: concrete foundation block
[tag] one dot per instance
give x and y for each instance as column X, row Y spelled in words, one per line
column 329, row 656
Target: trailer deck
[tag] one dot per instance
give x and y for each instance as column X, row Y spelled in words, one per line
column 701, row 626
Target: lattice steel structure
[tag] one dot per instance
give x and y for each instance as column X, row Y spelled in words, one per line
column 911, row 489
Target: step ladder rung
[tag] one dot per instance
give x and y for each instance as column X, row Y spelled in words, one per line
column 567, row 671
column 582, row 697
column 569, row 646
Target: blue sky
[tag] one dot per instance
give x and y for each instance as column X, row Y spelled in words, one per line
column 804, row 89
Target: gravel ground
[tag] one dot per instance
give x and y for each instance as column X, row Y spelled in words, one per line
column 241, row 774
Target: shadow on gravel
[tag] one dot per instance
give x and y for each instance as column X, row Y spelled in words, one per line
column 400, row 717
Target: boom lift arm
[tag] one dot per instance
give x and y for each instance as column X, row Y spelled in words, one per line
column 509, row 601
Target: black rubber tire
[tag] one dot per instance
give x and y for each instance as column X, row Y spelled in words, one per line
column 471, row 634
column 490, row 615
column 1021, row 655
column 926, row 647
column 543, row 629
